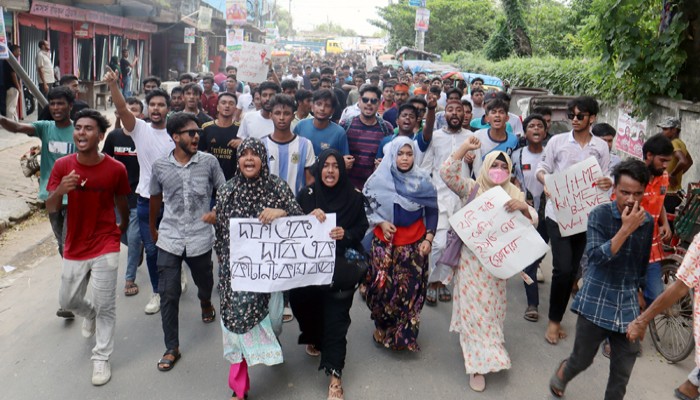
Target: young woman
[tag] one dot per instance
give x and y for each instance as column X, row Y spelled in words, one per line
column 479, row 307
column 324, row 312
column 246, row 319
column 403, row 214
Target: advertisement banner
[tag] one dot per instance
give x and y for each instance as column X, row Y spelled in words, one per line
column 236, row 12
column 234, row 44
column 631, row 134
column 422, row 19
column 189, row 35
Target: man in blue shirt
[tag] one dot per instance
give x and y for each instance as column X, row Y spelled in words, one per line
column 618, row 245
column 321, row 131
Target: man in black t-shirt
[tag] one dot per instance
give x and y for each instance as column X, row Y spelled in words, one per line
column 220, row 137
column 72, row 83
column 122, row 148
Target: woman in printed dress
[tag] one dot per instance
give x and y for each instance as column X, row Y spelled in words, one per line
column 248, row 318
column 403, row 214
column 479, row 307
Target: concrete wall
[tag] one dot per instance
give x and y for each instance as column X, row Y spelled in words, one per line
column 687, row 112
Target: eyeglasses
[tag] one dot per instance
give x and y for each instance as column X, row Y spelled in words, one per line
column 579, row 116
column 191, row 132
column 368, row 100
column 420, row 110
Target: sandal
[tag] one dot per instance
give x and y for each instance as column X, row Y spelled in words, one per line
column 431, row 296
column 166, row 364
column 477, row 382
column 531, row 314
column 335, row 392
column 131, row 288
column 312, row 350
column 208, row 313
column 444, row 294
column 287, row 315
column 556, row 385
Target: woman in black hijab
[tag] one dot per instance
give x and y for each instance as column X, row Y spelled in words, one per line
column 323, row 312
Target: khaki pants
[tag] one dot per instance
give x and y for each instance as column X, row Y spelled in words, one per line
column 11, row 102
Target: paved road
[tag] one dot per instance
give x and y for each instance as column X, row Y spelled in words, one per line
column 45, row 357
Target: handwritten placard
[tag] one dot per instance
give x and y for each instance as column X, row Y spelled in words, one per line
column 290, row 252
column 252, row 66
column 574, row 194
column 505, row 243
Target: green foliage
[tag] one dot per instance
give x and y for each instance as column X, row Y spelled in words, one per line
column 454, row 25
column 517, row 27
column 334, row 29
column 500, row 44
column 284, row 22
column 551, row 28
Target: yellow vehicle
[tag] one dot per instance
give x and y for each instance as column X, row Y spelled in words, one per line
column 333, row 47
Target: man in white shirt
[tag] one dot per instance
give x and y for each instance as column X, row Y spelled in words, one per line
column 44, row 67
column 258, row 124
column 294, row 75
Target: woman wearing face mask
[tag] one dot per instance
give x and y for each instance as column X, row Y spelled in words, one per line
column 479, row 307
column 403, row 214
column 248, row 318
column 324, row 312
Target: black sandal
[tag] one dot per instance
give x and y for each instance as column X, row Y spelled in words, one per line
column 167, row 363
column 208, row 313
column 556, row 384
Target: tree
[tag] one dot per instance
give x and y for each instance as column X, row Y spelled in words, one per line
column 333, row 29
column 550, row 28
column 454, row 25
column 517, row 28
column 284, row 22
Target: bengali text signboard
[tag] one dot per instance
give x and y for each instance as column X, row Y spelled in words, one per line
column 505, row 243
column 290, row 252
column 252, row 66
column 574, row 194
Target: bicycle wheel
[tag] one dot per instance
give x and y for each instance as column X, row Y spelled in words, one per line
column 672, row 330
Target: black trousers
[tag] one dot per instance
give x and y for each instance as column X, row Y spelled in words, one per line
column 623, row 355
column 324, row 320
column 566, row 257
column 169, row 269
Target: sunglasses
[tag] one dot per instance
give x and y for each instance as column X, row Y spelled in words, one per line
column 191, row 132
column 579, row 116
column 368, row 100
column 420, row 110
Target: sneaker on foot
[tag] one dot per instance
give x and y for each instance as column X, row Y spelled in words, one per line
column 101, row 372
column 183, row 280
column 63, row 313
column 88, row 327
column 540, row 275
column 153, row 305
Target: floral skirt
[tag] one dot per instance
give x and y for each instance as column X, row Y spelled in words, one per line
column 258, row 346
column 396, row 286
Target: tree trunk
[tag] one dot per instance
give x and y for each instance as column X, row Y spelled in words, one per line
column 689, row 75
column 516, row 26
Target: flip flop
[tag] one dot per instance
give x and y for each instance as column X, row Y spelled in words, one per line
column 287, row 315
column 208, row 314
column 431, row 297
column 477, row 382
column 556, row 384
column 531, row 314
column 167, row 363
column 444, row 294
column 682, row 396
column 131, row 288
column 312, row 350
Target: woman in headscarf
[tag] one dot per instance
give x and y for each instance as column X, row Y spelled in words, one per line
column 246, row 320
column 479, row 307
column 403, row 214
column 323, row 312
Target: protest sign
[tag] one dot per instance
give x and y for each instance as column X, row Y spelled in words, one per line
column 504, row 242
column 574, row 194
column 631, row 134
column 290, row 252
column 234, row 43
column 252, row 65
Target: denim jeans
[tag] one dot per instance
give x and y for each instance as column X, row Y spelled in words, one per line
column 623, row 355
column 126, row 91
column 654, row 285
column 148, row 243
column 169, row 271
column 101, row 273
column 132, row 239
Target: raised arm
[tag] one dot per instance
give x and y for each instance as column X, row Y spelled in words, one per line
column 127, row 118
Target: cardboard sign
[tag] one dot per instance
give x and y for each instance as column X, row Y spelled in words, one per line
column 252, row 66
column 574, row 194
column 631, row 134
column 290, row 252
column 504, row 242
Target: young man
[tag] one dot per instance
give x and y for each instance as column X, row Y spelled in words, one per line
column 303, row 98
column 452, row 94
column 230, row 85
column 680, row 162
column 13, row 85
column 495, row 137
column 289, row 87
column 209, row 99
column 258, row 124
column 93, row 182
column 185, row 181
column 220, row 137
column 607, row 133
column 72, row 83
column 152, row 142
column 192, row 94
column 563, row 151
column 314, row 81
column 408, row 125
column 619, row 239
column 339, row 93
column 122, row 148
column 364, row 133
column 177, row 100
column 56, row 141
column 476, row 84
column 150, row 83
column 400, row 98
column 477, row 100
column 387, row 99
column 354, row 90
column 185, row 79
column 127, row 68
column 321, row 131
column 290, row 156
column 525, row 160
column 468, row 109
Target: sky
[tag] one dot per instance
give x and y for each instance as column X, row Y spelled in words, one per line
column 350, row 14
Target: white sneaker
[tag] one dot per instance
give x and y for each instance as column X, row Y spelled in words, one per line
column 183, row 280
column 88, row 327
column 101, row 372
column 153, row 305
column 540, row 275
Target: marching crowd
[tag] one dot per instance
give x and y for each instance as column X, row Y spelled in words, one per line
column 393, row 155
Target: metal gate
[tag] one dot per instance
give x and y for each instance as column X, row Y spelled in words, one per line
column 29, row 39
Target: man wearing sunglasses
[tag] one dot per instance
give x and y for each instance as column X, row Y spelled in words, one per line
column 184, row 180
column 563, row 151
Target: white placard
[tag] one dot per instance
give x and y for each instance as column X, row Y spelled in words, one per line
column 574, row 194
column 505, row 243
column 290, row 252
column 234, row 43
column 252, row 66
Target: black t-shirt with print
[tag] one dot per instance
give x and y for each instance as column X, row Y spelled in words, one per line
column 215, row 141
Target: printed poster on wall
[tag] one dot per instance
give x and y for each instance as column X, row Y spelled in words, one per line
column 234, row 44
column 290, row 252
column 236, row 12
column 189, row 35
column 505, row 243
column 252, row 66
column 631, row 134
column 4, row 49
column 204, row 18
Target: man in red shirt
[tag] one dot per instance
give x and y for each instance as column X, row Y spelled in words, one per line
column 209, row 98
column 93, row 182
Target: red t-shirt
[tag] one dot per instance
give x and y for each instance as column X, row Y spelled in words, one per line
column 92, row 225
column 209, row 103
column 653, row 203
